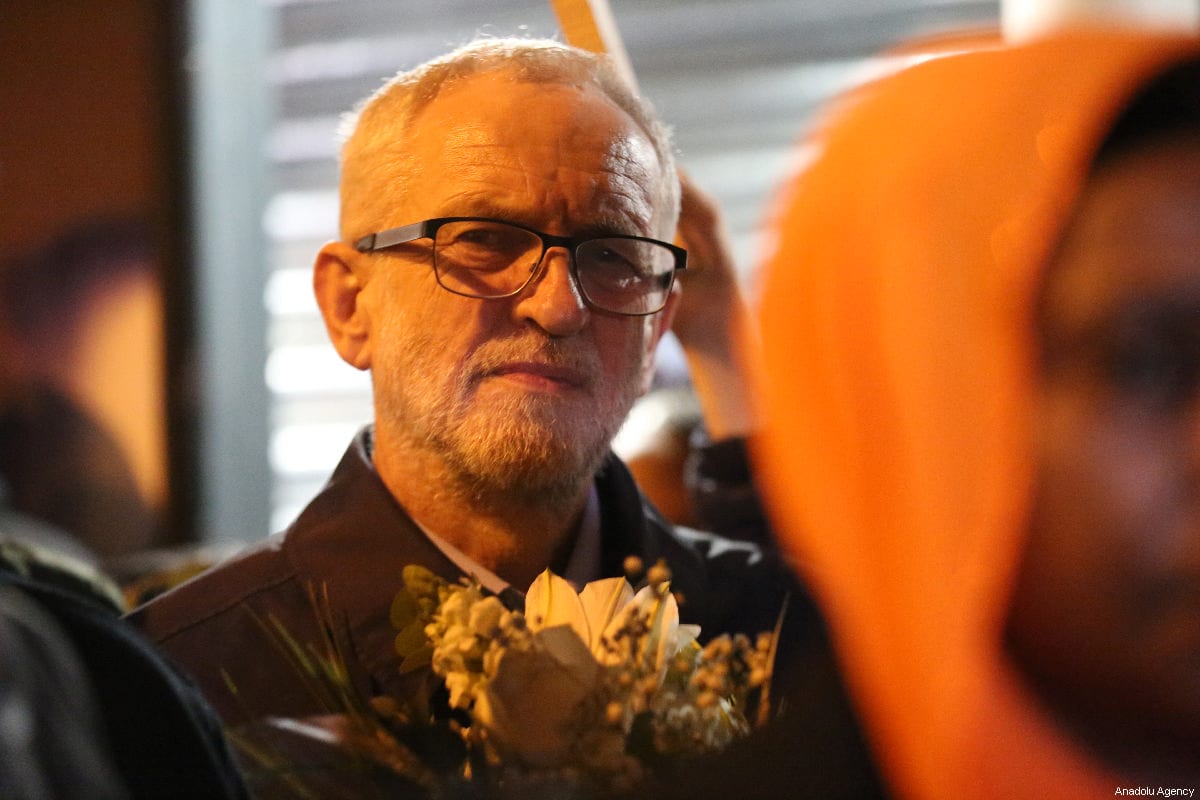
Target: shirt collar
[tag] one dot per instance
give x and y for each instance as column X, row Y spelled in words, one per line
column 583, row 565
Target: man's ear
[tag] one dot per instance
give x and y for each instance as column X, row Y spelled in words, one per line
column 338, row 282
column 657, row 325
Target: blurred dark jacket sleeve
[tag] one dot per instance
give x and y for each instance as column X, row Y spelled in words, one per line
column 154, row 736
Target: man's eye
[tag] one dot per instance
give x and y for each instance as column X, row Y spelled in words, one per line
column 476, row 245
column 612, row 259
column 619, row 259
column 479, row 237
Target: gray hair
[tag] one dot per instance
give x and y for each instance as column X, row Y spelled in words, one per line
column 370, row 134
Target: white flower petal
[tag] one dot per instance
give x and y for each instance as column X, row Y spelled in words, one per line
column 662, row 641
column 687, row 634
column 661, row 614
column 552, row 601
column 532, row 703
column 562, row 643
column 602, row 601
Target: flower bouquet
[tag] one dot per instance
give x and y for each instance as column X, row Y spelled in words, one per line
column 575, row 695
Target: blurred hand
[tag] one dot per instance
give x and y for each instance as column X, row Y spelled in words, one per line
column 712, row 320
column 711, row 297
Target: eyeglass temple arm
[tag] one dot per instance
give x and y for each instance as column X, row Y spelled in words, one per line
column 391, row 237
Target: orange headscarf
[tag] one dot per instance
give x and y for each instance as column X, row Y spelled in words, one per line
column 898, row 330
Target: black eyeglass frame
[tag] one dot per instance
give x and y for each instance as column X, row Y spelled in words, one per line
column 427, row 229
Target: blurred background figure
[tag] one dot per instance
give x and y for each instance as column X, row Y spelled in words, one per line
column 655, row 443
column 980, row 329
column 70, row 312
column 51, row 740
column 88, row 708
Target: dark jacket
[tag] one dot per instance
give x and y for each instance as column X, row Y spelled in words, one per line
column 105, row 715
column 719, row 478
column 353, row 541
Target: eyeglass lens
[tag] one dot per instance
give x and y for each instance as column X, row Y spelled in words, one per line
column 491, row 259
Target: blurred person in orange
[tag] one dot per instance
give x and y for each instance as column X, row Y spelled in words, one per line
column 982, row 395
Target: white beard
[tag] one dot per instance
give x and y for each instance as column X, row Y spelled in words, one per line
column 510, row 443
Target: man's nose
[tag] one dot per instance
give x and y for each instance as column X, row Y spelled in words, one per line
column 552, row 300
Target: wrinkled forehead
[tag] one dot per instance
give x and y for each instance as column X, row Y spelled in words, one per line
column 498, row 109
column 492, row 132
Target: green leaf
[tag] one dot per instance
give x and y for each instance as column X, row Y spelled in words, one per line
column 412, row 645
column 417, row 660
column 405, row 610
column 411, row 638
column 420, row 582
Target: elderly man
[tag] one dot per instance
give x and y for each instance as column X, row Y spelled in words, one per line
column 504, row 271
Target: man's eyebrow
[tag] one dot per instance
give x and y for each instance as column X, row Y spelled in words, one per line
column 606, row 223
column 612, row 222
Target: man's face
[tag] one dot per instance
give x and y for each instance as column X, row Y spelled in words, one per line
column 1106, row 615
column 520, row 394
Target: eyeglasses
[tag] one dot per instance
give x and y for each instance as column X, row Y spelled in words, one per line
column 490, row 259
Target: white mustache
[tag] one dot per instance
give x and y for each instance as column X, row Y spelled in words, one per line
column 495, row 354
